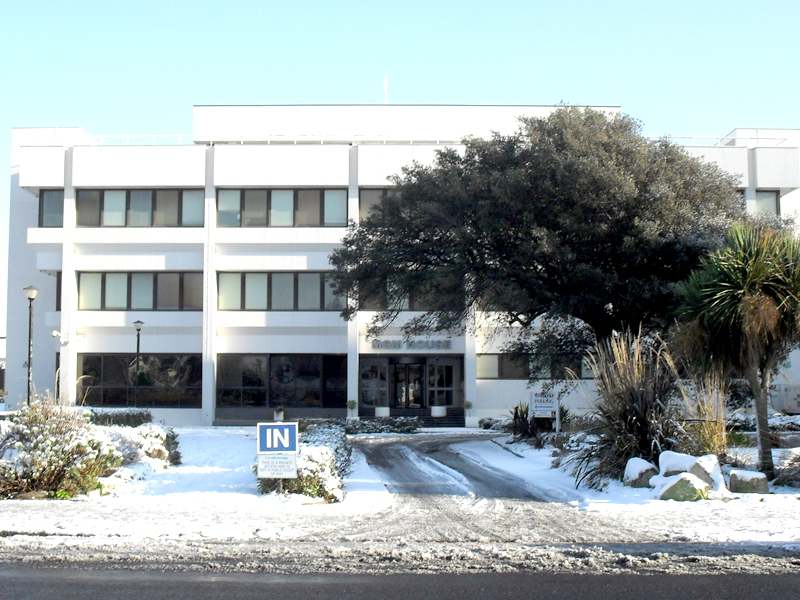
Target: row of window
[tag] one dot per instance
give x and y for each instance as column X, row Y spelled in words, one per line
column 277, row 291
column 505, row 366
column 304, row 291
column 140, row 291
column 185, row 208
column 290, row 380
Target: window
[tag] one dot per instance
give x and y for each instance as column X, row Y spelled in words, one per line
column 369, row 198
column 282, row 208
column 51, row 208
column 140, row 291
column 768, row 202
column 287, row 380
column 140, row 208
column 155, row 380
column 307, row 291
column 501, row 366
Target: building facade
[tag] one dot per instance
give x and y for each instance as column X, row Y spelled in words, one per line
column 218, row 248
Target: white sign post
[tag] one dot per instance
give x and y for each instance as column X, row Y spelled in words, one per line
column 277, row 451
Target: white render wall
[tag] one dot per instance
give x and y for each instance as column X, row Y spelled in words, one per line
column 239, row 147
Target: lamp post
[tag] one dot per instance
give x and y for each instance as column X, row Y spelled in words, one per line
column 138, row 324
column 31, row 293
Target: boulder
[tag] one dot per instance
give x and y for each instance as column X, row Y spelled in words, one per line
column 684, row 487
column 671, row 463
column 707, row 468
column 638, row 473
column 748, row 482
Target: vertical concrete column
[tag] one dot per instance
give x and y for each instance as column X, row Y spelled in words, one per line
column 470, row 371
column 69, row 371
column 209, row 294
column 352, row 325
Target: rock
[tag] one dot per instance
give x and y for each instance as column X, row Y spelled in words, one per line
column 684, row 487
column 707, row 468
column 31, row 495
column 638, row 473
column 748, row 482
column 671, row 463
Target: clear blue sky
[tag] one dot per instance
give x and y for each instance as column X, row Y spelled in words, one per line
column 683, row 67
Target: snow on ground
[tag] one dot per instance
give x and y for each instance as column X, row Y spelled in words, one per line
column 213, row 495
column 767, row 518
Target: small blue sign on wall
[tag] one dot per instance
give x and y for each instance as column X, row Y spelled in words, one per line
column 277, row 438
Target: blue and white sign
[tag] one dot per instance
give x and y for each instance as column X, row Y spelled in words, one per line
column 274, row 438
column 277, row 450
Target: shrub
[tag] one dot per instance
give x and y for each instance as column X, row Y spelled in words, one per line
column 151, row 439
column 636, row 413
column 52, row 448
column 323, row 459
column 383, row 425
column 789, row 474
column 704, row 431
column 128, row 417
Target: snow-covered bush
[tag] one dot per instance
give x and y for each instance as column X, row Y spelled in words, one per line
column 53, row 448
column 151, row 439
column 323, row 459
column 128, row 417
column 383, row 425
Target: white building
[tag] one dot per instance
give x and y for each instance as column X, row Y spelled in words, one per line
column 220, row 249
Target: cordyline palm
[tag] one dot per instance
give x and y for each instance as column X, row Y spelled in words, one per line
column 743, row 305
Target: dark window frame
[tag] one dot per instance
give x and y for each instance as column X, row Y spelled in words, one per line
column 153, row 192
column 295, row 302
column 42, row 194
column 295, row 207
column 154, row 274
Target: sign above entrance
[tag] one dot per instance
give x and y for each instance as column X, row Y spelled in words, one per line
column 412, row 344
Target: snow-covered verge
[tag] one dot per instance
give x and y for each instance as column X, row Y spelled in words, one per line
column 206, row 514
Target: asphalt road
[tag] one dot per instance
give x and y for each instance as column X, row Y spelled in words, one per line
column 30, row 583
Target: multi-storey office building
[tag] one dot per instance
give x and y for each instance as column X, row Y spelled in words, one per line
column 219, row 250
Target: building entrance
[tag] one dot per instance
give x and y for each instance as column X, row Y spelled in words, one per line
column 411, row 382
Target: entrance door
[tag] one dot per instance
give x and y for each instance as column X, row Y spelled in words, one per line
column 441, row 383
column 409, row 383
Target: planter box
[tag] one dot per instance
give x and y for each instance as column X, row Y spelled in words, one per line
column 438, row 411
column 381, row 411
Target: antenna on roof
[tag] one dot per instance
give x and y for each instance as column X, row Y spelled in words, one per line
column 386, row 90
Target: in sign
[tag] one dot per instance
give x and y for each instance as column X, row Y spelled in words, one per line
column 277, row 437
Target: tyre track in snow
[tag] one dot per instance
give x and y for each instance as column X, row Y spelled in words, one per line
column 441, row 495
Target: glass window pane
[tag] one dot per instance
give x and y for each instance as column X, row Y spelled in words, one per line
column 228, row 207
column 281, row 208
column 513, row 368
column 90, row 291
column 282, row 291
column 116, row 291
column 229, row 370
column 332, row 300
column 308, row 208
column 168, row 291
column 254, row 213
column 141, row 209
column 142, row 291
column 88, row 207
column 114, row 208
column 52, row 208
column 308, row 291
column 193, row 208
column 488, row 366
column 254, row 371
column 335, row 208
column 368, row 199
column 192, row 291
column 166, row 212
column 767, row 202
column 230, row 291
column 255, row 291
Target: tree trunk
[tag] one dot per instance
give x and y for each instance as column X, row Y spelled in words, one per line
column 760, row 387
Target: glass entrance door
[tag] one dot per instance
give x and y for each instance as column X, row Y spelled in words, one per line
column 408, row 386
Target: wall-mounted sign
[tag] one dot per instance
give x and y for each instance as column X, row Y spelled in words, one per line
column 412, row 344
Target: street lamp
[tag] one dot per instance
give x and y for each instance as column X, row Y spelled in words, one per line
column 31, row 293
column 138, row 324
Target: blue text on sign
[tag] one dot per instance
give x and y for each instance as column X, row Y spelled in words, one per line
column 277, row 437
